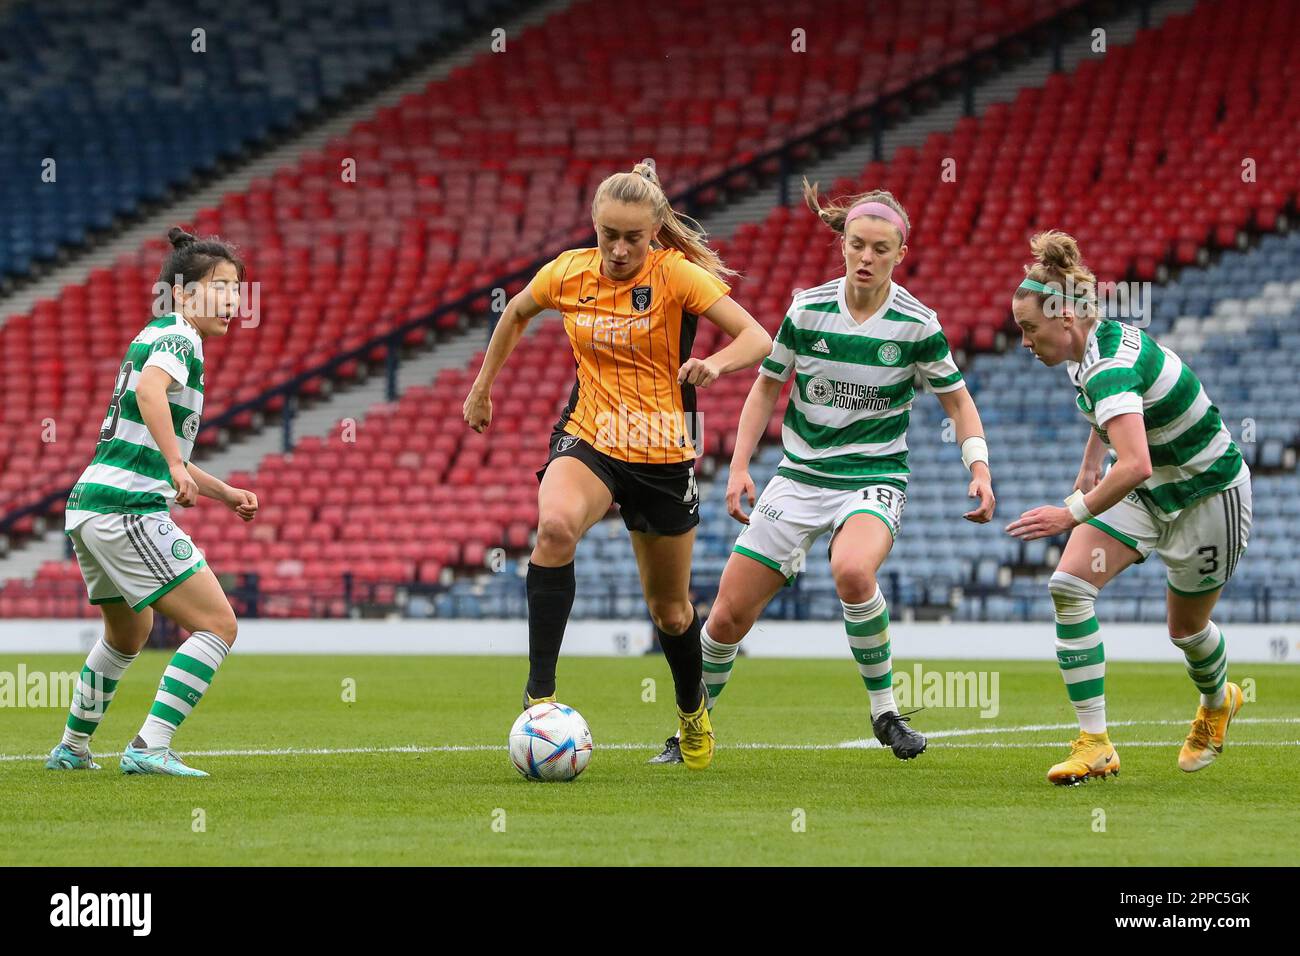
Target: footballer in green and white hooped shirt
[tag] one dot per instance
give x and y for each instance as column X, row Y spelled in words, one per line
column 133, row 556
column 1177, row 486
column 853, row 348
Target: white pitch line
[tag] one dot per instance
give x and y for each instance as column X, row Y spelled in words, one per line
column 999, row 745
column 1030, row 728
column 864, row 744
column 490, row 748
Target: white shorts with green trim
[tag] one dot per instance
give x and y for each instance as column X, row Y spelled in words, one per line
column 133, row 558
column 790, row 515
column 1200, row 547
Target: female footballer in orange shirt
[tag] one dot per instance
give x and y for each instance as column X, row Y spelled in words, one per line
column 630, row 307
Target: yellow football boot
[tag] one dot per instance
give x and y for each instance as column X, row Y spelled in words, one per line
column 697, row 735
column 1205, row 742
column 533, row 701
column 1091, row 755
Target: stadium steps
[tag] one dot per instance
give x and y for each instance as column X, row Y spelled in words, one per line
column 156, row 224
column 23, row 561
column 941, row 117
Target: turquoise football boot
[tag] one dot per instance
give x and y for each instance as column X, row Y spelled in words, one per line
column 156, row 760
column 64, row 757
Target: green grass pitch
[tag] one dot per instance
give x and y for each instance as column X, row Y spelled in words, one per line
column 978, row 796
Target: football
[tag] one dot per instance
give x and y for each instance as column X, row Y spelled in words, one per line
column 550, row 742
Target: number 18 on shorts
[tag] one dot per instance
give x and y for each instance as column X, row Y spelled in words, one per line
column 790, row 516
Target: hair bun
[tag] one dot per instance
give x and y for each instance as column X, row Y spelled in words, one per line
column 646, row 169
column 1055, row 249
column 179, row 238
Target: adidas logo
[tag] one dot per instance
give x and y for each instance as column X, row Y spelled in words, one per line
column 1208, row 580
column 821, row 346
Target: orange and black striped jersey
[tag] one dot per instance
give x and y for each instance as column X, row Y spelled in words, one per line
column 629, row 339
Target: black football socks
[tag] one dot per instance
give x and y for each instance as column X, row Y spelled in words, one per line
column 550, row 599
column 686, row 662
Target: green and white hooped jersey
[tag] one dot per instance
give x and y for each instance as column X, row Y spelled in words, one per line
column 1193, row 455
column 846, row 424
column 128, row 474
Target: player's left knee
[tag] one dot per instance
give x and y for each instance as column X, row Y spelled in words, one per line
column 224, row 626
column 1073, row 597
column 672, row 617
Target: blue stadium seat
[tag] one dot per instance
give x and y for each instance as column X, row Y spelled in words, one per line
column 115, row 95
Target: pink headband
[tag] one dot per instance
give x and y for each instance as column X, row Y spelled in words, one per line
column 881, row 211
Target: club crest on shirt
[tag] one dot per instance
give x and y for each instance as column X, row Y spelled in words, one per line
column 641, row 298
column 820, row 391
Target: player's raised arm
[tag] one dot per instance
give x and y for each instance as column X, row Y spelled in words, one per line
column 960, row 407
column 698, row 283
column 1132, row 468
column 239, row 500
column 748, row 346
column 519, row 311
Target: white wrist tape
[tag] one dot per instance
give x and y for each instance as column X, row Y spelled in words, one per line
column 1077, row 508
column 974, row 449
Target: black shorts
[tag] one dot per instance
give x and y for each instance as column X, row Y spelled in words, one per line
column 656, row 499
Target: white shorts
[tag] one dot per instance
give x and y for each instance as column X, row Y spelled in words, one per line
column 133, row 558
column 1200, row 547
column 790, row 515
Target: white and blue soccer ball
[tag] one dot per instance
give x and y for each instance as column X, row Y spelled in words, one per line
column 550, row 742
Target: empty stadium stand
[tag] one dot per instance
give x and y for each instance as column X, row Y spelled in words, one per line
column 1130, row 153
column 133, row 100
